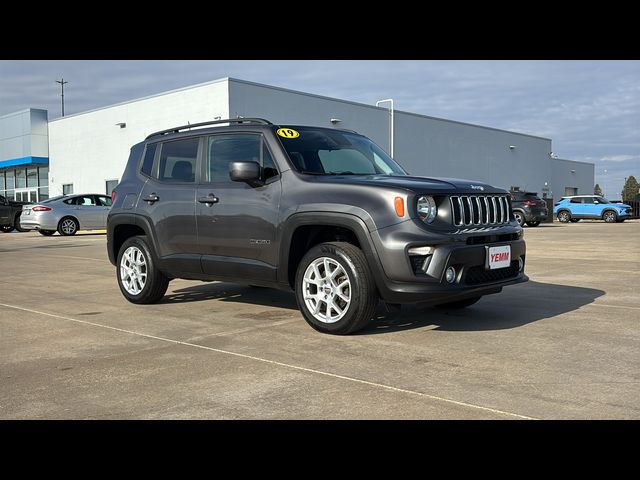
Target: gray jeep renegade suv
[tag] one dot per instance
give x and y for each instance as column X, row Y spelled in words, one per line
column 322, row 211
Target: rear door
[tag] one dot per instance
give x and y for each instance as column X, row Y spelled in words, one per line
column 167, row 203
column 577, row 207
column 237, row 232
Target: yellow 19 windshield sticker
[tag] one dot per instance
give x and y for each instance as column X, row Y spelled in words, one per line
column 288, row 133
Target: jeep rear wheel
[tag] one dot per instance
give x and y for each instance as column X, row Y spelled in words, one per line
column 564, row 216
column 139, row 279
column 334, row 288
column 610, row 216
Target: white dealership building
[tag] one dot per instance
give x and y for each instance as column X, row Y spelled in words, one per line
column 87, row 151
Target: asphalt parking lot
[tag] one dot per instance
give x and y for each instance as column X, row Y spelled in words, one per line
column 564, row 345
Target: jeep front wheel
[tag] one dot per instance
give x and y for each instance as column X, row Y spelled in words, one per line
column 334, row 288
column 139, row 279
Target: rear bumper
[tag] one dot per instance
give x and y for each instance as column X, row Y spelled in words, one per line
column 536, row 214
column 36, row 222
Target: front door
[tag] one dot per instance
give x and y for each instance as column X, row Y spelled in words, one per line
column 168, row 202
column 236, row 221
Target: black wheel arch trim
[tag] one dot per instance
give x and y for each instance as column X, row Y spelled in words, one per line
column 143, row 223
column 345, row 220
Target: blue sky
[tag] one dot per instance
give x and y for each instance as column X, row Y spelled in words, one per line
column 591, row 109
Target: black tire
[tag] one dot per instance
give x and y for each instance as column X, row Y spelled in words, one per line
column 17, row 226
column 156, row 283
column 7, row 228
column 362, row 288
column 46, row 233
column 564, row 216
column 574, row 220
column 533, row 224
column 459, row 304
column 68, row 226
column 519, row 218
column 610, row 216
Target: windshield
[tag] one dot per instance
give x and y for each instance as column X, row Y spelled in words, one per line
column 320, row 151
column 602, row 200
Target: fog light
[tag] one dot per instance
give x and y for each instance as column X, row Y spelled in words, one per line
column 450, row 275
column 520, row 264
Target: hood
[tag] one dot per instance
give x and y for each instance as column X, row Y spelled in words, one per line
column 621, row 205
column 413, row 183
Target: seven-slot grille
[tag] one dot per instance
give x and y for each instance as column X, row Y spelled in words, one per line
column 480, row 209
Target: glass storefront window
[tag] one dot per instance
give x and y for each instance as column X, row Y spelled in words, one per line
column 21, row 178
column 10, row 179
column 43, row 193
column 2, row 187
column 43, row 176
column 32, row 177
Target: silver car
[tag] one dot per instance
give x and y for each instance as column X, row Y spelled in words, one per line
column 67, row 214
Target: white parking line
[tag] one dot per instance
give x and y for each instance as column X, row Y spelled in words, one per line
column 613, row 306
column 280, row 364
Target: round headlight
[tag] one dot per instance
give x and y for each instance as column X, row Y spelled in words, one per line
column 427, row 209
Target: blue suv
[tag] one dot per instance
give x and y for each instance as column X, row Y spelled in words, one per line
column 575, row 208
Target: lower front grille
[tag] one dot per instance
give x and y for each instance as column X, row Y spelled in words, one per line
column 478, row 274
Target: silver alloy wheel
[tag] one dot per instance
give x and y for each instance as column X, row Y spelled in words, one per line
column 519, row 218
column 609, row 217
column 564, row 217
column 326, row 290
column 133, row 270
column 68, row 226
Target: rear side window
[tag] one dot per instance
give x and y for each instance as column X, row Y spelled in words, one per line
column 178, row 160
column 147, row 163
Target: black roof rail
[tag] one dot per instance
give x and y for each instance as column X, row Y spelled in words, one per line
column 260, row 121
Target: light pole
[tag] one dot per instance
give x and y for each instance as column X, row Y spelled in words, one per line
column 62, row 82
column 604, row 184
column 390, row 100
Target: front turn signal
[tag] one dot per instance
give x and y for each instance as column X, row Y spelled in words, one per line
column 399, row 205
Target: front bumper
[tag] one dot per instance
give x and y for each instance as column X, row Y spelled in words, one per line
column 398, row 281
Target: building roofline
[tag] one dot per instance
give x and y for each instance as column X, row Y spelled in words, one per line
column 574, row 161
column 350, row 102
column 175, row 90
column 24, row 110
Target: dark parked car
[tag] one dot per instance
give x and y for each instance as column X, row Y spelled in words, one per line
column 10, row 215
column 321, row 211
column 528, row 208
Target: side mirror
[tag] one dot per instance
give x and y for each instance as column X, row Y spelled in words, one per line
column 249, row 172
column 596, row 202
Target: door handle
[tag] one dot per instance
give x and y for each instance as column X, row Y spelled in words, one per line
column 209, row 200
column 151, row 198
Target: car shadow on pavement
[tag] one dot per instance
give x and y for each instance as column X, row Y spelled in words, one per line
column 513, row 307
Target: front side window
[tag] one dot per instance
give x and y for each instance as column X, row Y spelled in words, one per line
column 587, row 200
column 178, row 160
column 224, row 149
column 602, row 200
column 320, row 151
column 576, row 200
column 86, row 201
